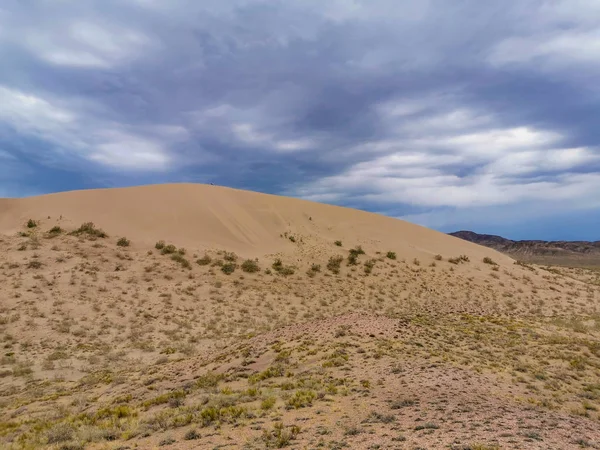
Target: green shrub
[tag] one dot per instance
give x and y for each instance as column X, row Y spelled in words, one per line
column 488, row 260
column 280, row 436
column 301, row 399
column 230, row 256
column 192, row 435
column 357, row 251
column 31, row 223
column 34, row 264
column 338, row 243
column 391, row 255
column 458, row 259
column 168, row 249
column 250, row 266
column 55, row 231
column 181, row 260
column 271, row 372
column 90, row 230
column 208, row 380
column 159, row 245
column 267, row 403
column 334, row 264
column 61, row 432
column 228, row 268
column 369, row 266
column 315, row 268
column 204, row 261
column 281, row 269
column 438, row 257
column 123, row 242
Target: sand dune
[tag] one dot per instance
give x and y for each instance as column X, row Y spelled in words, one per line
column 203, row 216
column 110, row 343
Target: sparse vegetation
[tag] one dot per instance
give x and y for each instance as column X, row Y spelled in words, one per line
column 89, row 229
column 103, row 346
column 250, row 266
column 179, row 258
column 335, row 263
column 338, row 243
column 459, row 259
column 31, row 223
column 55, row 231
column 204, row 261
column 123, row 242
column 228, row 268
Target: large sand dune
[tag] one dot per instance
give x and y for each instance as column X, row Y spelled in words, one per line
column 254, row 329
column 206, row 216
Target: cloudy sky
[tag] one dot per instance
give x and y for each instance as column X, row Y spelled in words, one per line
column 462, row 114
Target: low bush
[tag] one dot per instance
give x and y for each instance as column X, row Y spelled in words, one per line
column 250, row 266
column 90, row 230
column 123, row 242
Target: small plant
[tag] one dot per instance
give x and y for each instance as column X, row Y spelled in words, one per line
column 334, row 264
column 315, row 268
column 488, row 260
column 90, row 230
column 338, row 243
column 55, row 231
column 458, row 259
column 369, row 266
column 204, row 261
column 230, row 256
column 281, row 269
column 427, row 426
column 391, row 255
column 61, row 432
column 357, row 251
column 267, row 403
column 168, row 250
column 250, row 266
column 34, row 264
column 166, row 441
column 301, row 399
column 438, row 257
column 228, row 268
column 192, row 435
column 159, row 245
column 31, row 223
column 123, row 242
column 181, row 260
column 280, row 436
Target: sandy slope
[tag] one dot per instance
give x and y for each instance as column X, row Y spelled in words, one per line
column 205, row 216
column 107, row 346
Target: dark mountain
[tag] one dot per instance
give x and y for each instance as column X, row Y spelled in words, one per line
column 569, row 253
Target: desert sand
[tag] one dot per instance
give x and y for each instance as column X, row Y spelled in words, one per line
column 192, row 316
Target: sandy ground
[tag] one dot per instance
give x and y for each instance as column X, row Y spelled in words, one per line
column 249, row 333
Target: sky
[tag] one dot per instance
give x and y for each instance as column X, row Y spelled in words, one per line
column 463, row 114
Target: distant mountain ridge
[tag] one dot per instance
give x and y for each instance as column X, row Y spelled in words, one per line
column 575, row 253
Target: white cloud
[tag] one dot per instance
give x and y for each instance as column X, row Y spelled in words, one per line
column 129, row 152
column 82, row 43
column 558, row 50
column 442, row 164
column 108, row 143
